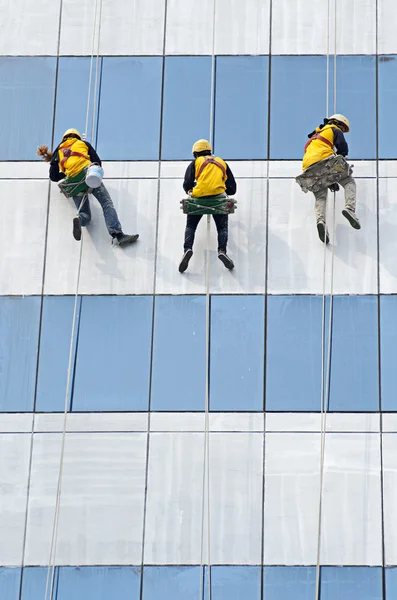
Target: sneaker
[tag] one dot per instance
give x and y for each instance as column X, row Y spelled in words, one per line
column 123, row 239
column 77, row 228
column 183, row 265
column 229, row 264
column 351, row 217
column 322, row 232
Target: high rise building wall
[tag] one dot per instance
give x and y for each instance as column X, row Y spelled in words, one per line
column 291, row 319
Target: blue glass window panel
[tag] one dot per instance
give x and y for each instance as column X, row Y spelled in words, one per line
column 391, row 583
column 113, row 354
column 187, row 101
column 355, row 583
column 356, row 98
column 19, row 338
column 388, row 344
column 354, row 359
column 237, row 353
column 56, row 333
column 298, row 103
column 171, row 583
column 387, row 100
column 241, row 107
column 98, row 583
column 293, row 354
column 285, row 583
column 27, row 88
column 236, row 583
column 34, row 581
column 72, row 96
column 129, row 112
column 178, row 380
column 10, row 580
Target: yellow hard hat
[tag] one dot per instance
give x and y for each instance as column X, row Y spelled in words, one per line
column 71, row 132
column 201, row 145
column 341, row 119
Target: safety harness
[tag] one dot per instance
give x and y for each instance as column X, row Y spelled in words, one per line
column 317, row 136
column 211, row 160
column 67, row 153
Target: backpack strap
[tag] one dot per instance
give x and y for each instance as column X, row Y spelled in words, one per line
column 211, row 160
column 317, row 136
column 67, row 153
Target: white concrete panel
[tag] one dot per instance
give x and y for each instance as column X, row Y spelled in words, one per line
column 388, row 168
column 91, row 422
column 236, row 481
column 106, row 269
column 173, row 527
column 296, row 255
column 389, row 496
column 351, row 523
column 174, row 496
column 301, row 27
column 242, row 27
column 389, row 422
column 23, row 170
column 291, row 498
column 178, row 421
column 218, row 422
column 23, row 216
column 128, row 28
column 235, row 422
column 14, row 472
column 387, row 236
column 174, row 169
column 189, row 27
column 120, row 169
column 387, row 41
column 335, row 422
column 16, row 422
column 247, row 244
column 352, row 526
column 29, row 28
column 101, row 512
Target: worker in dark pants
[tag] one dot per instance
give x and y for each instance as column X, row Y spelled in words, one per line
column 69, row 159
column 207, row 176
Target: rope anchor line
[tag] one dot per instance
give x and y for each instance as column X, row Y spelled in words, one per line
column 326, row 354
column 50, row 579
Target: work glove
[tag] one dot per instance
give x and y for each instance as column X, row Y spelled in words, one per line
column 334, row 187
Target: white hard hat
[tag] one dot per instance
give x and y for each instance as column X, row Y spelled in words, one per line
column 341, row 119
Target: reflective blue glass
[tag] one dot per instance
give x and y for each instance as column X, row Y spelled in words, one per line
column 178, row 380
column 129, row 111
column 27, row 88
column 186, row 112
column 237, row 353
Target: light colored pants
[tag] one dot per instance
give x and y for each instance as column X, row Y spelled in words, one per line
column 320, row 205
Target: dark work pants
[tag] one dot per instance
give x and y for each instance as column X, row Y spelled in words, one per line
column 221, row 222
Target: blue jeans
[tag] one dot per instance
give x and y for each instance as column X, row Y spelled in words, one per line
column 109, row 212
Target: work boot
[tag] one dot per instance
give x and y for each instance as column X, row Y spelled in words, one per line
column 229, row 264
column 351, row 217
column 183, row 265
column 77, row 228
column 123, row 239
column 322, row 232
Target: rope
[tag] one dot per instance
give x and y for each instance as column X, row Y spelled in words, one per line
column 206, row 464
column 326, row 364
column 49, row 589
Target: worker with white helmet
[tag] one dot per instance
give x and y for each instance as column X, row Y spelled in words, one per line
column 323, row 142
column 69, row 159
column 207, row 176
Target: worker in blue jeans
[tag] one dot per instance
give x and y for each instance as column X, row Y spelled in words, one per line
column 68, row 160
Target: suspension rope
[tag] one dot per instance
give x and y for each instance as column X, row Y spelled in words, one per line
column 206, row 461
column 326, row 362
column 49, row 589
